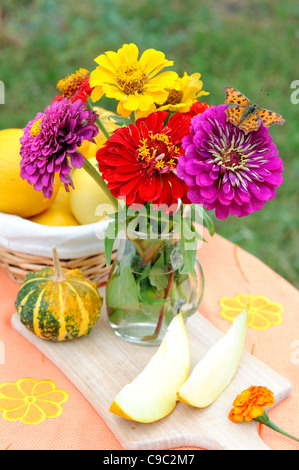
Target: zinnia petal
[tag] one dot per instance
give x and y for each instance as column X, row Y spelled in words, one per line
column 139, row 161
column 61, row 129
column 124, row 77
column 235, row 173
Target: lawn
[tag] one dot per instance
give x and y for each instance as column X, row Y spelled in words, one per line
column 252, row 46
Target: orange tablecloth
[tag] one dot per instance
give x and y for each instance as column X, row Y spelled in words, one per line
column 229, row 271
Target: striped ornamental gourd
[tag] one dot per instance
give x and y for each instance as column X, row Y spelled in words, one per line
column 58, row 304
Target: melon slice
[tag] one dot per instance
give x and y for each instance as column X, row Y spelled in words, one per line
column 152, row 395
column 215, row 371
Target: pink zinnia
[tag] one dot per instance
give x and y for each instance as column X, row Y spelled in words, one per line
column 226, row 169
column 49, row 144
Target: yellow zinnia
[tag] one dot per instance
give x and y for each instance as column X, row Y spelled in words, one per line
column 136, row 83
column 184, row 93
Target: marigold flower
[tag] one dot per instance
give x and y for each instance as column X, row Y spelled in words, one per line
column 226, row 169
column 75, row 86
column 136, row 83
column 49, row 144
column 250, row 404
column 139, row 161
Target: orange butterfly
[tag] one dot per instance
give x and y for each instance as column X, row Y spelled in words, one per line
column 247, row 116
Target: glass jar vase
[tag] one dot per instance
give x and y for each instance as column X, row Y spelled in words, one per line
column 148, row 286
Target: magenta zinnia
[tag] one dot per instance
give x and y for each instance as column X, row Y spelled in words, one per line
column 50, row 141
column 139, row 161
column 226, row 169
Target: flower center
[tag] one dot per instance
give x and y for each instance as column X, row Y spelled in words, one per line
column 174, row 97
column 232, row 158
column 131, row 78
column 29, row 399
column 35, row 128
column 70, row 84
column 157, row 152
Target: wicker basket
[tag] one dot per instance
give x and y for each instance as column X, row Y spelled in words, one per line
column 27, row 247
column 17, row 265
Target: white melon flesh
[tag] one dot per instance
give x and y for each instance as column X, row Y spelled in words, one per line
column 215, row 371
column 152, row 395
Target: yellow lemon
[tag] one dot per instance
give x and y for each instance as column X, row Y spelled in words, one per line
column 88, row 201
column 17, row 196
column 89, row 149
column 59, row 213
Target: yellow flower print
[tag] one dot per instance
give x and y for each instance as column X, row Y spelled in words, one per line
column 262, row 313
column 31, row 401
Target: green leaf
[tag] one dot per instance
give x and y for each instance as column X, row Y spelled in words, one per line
column 112, row 231
column 120, row 121
column 150, row 295
column 188, row 239
column 199, row 217
column 189, row 234
column 209, row 223
column 168, row 314
column 122, row 290
column 158, row 278
column 144, row 274
column 181, row 277
column 110, row 236
column 189, row 257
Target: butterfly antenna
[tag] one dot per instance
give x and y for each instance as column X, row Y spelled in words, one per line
column 261, row 91
column 258, row 96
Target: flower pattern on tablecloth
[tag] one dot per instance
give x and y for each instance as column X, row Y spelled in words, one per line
column 262, row 313
column 31, row 401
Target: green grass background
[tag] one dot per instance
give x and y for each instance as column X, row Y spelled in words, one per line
column 249, row 45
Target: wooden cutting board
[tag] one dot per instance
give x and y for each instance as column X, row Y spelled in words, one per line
column 100, row 364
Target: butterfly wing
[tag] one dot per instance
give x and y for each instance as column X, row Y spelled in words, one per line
column 240, row 112
column 251, row 123
column 270, row 117
column 233, row 96
column 234, row 114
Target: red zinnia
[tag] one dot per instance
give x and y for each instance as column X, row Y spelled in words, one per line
column 85, row 89
column 197, row 108
column 139, row 161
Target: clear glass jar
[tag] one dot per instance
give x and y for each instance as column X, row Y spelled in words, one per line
column 148, row 286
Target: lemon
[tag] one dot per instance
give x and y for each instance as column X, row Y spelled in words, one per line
column 89, row 149
column 88, row 201
column 59, row 213
column 17, row 196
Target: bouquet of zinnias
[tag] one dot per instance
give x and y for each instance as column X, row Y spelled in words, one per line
column 171, row 159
